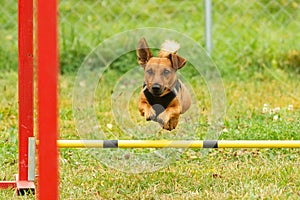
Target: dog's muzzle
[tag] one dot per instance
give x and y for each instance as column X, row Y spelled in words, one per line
column 156, row 89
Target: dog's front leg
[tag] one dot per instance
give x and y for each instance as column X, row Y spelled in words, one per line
column 146, row 109
column 169, row 118
column 148, row 112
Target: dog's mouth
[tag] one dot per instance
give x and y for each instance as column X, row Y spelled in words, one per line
column 159, row 91
column 156, row 93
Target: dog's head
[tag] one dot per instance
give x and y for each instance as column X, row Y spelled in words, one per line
column 160, row 72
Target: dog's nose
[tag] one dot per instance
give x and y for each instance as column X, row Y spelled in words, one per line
column 156, row 89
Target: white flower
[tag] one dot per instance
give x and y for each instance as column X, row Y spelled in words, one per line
column 275, row 118
column 265, row 108
column 109, row 126
column 276, row 110
column 225, row 130
column 290, row 107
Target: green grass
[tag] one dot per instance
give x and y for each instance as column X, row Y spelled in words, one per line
column 217, row 174
column 259, row 61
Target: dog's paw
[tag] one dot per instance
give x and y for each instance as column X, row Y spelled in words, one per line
column 150, row 115
column 166, row 123
column 172, row 123
column 163, row 120
column 160, row 121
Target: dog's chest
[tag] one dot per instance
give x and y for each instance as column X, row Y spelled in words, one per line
column 164, row 101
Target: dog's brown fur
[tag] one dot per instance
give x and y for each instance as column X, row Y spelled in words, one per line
column 161, row 71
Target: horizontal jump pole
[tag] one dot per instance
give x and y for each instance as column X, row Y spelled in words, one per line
column 178, row 143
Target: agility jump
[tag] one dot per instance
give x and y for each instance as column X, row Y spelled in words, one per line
column 196, row 144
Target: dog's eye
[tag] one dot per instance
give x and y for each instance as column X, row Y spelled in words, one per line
column 150, row 71
column 166, row 72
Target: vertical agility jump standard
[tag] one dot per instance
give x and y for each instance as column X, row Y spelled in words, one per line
column 47, row 71
column 25, row 95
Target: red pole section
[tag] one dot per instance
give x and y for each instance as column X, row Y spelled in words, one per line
column 25, row 84
column 47, row 72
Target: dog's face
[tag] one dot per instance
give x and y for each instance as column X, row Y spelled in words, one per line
column 160, row 72
column 159, row 76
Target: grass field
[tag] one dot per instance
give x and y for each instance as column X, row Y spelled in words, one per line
column 259, row 61
column 229, row 173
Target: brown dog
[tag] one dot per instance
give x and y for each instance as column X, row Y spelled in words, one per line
column 163, row 97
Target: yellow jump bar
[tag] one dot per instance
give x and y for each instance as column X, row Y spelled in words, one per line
column 178, row 143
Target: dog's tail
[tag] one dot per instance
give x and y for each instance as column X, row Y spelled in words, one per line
column 167, row 48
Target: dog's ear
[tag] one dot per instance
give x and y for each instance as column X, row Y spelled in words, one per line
column 177, row 61
column 143, row 52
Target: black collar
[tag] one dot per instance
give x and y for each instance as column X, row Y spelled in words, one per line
column 159, row 104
